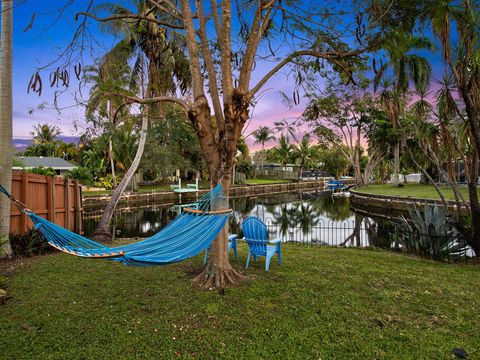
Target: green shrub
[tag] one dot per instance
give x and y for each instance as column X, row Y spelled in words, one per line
column 29, row 244
column 105, row 182
column 42, row 171
column 83, row 174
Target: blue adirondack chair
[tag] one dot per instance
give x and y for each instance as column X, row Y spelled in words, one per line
column 232, row 244
column 255, row 233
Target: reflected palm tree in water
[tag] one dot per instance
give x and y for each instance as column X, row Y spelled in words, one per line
column 284, row 218
column 141, row 222
column 335, row 208
column 305, row 217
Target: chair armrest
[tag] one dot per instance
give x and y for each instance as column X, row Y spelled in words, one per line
column 276, row 241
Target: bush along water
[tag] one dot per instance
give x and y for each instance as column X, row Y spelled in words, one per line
column 431, row 234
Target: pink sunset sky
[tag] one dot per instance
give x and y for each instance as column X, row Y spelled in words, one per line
column 40, row 45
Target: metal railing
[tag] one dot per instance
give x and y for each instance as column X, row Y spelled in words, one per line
column 356, row 231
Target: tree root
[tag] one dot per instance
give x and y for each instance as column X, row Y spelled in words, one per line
column 103, row 236
column 212, row 277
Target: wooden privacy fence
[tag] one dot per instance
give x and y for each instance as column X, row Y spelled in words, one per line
column 55, row 198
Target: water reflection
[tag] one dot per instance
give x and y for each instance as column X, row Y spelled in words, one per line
column 290, row 216
column 298, row 217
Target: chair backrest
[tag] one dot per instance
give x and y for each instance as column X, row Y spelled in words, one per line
column 255, row 233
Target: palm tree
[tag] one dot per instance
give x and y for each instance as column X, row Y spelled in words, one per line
column 67, row 151
column 243, row 152
column 262, row 135
column 406, row 67
column 283, row 153
column 463, row 63
column 168, row 67
column 305, row 154
column 45, row 134
column 284, row 127
column 102, row 232
column 109, row 76
column 6, row 122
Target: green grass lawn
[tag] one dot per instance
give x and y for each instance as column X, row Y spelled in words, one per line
column 413, row 191
column 323, row 303
column 265, row 181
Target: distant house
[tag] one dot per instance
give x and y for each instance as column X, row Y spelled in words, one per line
column 60, row 165
column 276, row 167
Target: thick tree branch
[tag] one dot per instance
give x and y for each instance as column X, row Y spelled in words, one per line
column 175, row 13
column 216, row 20
column 258, row 28
column 197, row 78
column 226, row 50
column 128, row 16
column 212, row 76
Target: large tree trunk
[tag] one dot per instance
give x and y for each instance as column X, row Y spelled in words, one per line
column 219, row 272
column 220, row 159
column 473, row 114
column 474, row 206
column 102, row 233
column 6, row 123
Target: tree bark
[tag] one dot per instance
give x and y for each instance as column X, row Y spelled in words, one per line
column 112, row 163
column 474, row 206
column 102, row 233
column 111, row 115
column 6, row 123
column 396, row 164
column 220, row 159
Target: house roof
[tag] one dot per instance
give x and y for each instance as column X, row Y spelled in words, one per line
column 55, row 163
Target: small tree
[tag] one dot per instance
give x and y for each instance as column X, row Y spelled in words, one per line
column 343, row 117
column 262, row 135
column 283, row 153
column 305, row 154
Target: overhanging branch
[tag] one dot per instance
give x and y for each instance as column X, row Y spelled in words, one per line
column 128, row 16
column 335, row 57
column 135, row 99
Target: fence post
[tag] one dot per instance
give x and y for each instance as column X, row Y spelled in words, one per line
column 67, row 203
column 51, row 198
column 24, row 197
column 77, row 224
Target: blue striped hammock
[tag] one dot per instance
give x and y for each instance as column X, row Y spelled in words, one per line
column 187, row 235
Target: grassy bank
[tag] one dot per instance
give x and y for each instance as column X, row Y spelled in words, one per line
column 265, row 181
column 323, row 303
column 166, row 187
column 419, row 191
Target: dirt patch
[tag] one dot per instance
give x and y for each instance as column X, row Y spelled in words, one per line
column 9, row 266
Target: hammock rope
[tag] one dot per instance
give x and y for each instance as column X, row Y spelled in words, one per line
column 187, row 235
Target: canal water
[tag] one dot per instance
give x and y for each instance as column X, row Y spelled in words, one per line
column 313, row 218
column 302, row 217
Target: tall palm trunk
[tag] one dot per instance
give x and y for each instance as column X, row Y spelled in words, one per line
column 396, row 164
column 111, row 115
column 102, row 233
column 112, row 163
column 6, row 123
